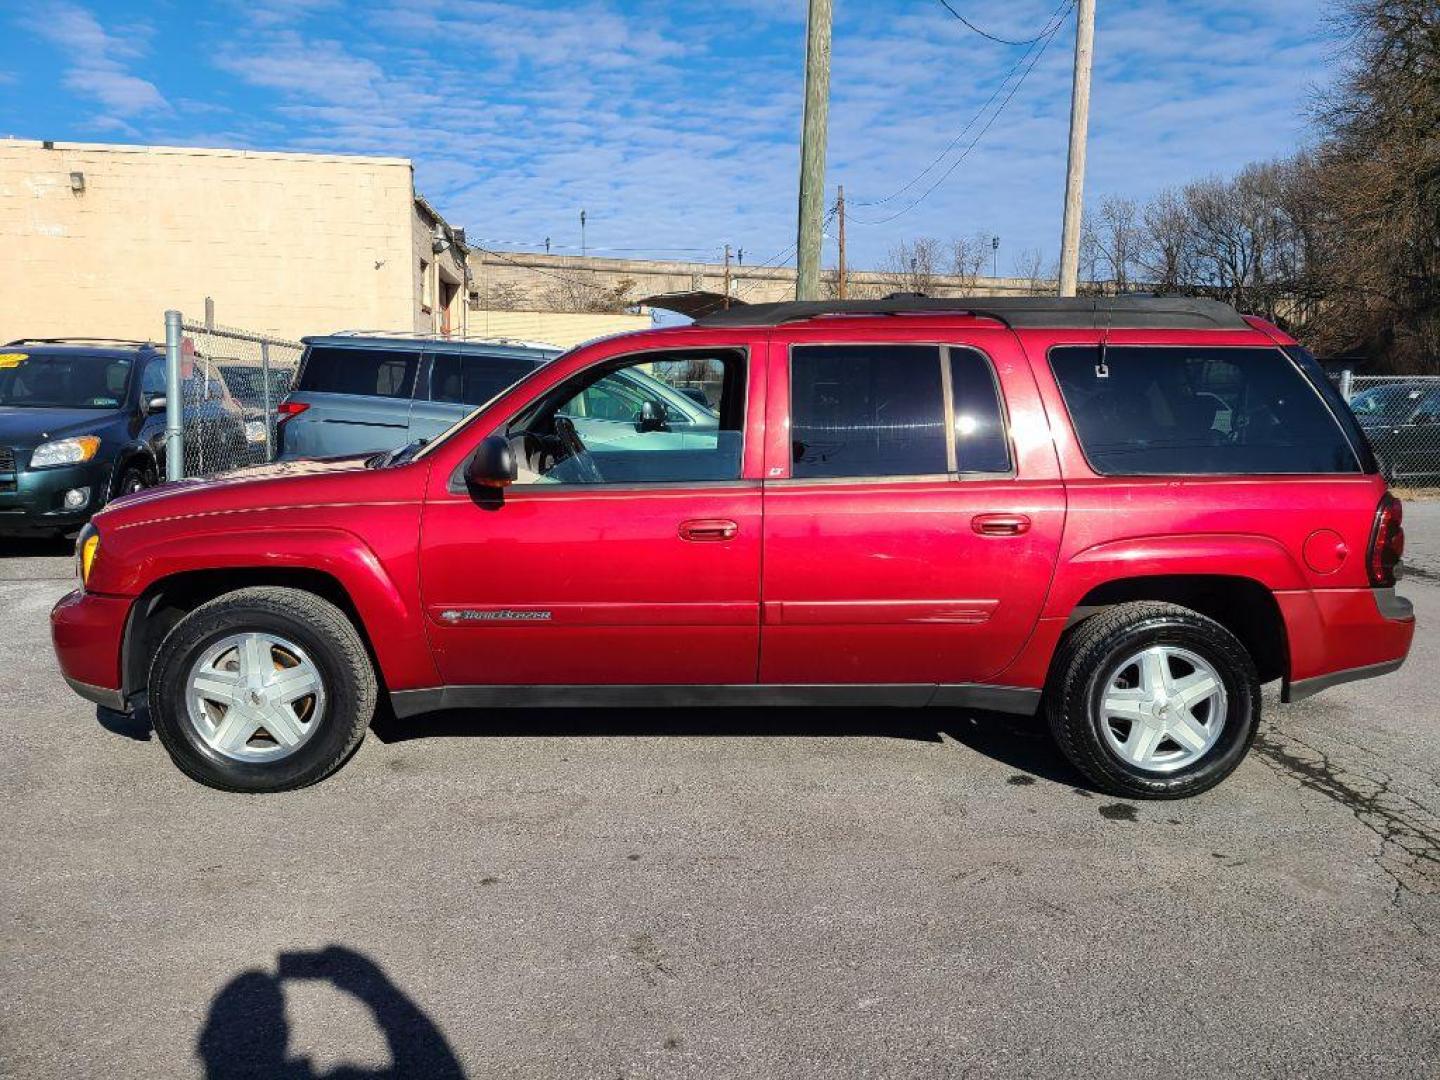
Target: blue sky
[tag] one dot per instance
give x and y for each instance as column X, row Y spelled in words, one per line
column 675, row 124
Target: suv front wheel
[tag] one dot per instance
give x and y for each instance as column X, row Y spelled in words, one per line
column 1153, row 700
column 262, row 689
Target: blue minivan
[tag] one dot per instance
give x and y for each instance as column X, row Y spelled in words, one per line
column 358, row 394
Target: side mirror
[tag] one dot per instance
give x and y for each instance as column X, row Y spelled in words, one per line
column 155, row 404
column 492, row 465
column 654, row 416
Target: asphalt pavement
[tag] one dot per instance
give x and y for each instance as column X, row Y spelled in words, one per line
column 748, row 893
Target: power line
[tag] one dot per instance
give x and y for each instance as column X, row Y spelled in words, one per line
column 529, row 246
column 998, row 40
column 780, row 258
column 576, row 282
column 1052, row 26
column 973, row 142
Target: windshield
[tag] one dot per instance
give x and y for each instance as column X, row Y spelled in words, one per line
column 71, row 380
column 1386, row 403
column 444, row 436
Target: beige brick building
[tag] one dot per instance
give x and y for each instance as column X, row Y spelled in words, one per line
column 101, row 239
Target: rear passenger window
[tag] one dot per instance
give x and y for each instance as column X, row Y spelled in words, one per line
column 1198, row 411
column 474, row 380
column 371, row 372
column 867, row 410
column 981, row 443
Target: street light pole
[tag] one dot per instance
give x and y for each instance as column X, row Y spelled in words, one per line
column 812, row 151
column 1079, row 129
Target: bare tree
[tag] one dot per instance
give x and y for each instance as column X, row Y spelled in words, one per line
column 914, row 265
column 578, row 293
column 1117, row 240
column 1166, row 254
column 968, row 258
column 1029, row 265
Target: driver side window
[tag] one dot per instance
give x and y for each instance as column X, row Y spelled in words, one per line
column 672, row 417
column 152, row 379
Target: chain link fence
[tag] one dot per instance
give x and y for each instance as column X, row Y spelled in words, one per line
column 1401, row 415
column 233, row 383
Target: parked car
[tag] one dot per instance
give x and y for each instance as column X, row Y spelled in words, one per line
column 83, row 420
column 1130, row 513
column 258, row 403
column 359, row 394
column 1402, row 422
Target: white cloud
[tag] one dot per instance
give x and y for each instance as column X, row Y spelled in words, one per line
column 99, row 62
column 675, row 125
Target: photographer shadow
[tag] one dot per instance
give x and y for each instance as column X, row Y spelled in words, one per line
column 246, row 1033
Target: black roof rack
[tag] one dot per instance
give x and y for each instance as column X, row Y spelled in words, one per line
column 78, row 341
column 1034, row 312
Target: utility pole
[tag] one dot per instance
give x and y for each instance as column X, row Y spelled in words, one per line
column 995, row 256
column 582, row 234
column 1079, row 129
column 812, row 151
column 840, row 216
column 727, row 277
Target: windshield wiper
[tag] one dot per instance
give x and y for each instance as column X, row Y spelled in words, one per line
column 396, row 457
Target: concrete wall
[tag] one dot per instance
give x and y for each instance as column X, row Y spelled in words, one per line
column 531, row 277
column 287, row 244
column 555, row 328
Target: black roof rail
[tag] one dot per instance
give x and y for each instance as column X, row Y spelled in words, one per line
column 78, row 341
column 1016, row 312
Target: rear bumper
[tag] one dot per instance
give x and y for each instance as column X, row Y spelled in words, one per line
column 87, row 631
column 1342, row 635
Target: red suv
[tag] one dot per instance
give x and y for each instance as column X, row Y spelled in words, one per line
column 1130, row 513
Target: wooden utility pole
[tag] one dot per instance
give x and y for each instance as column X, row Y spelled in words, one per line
column 812, row 151
column 727, row 277
column 1079, row 129
column 840, row 218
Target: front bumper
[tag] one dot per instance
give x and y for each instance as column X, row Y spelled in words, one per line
column 30, row 499
column 88, row 632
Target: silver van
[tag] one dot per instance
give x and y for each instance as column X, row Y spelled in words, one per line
column 358, row 394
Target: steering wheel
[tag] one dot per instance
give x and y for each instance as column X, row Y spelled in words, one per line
column 570, row 439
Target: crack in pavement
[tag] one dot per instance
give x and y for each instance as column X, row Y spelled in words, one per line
column 1409, row 832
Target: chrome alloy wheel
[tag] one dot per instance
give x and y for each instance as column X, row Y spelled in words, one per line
column 1162, row 709
column 254, row 697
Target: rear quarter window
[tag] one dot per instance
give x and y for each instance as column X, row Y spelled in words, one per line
column 474, row 380
column 1184, row 411
column 388, row 373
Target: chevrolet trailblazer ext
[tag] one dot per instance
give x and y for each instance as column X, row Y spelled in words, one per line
column 1128, row 512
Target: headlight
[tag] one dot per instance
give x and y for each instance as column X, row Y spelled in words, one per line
column 65, row 451
column 86, row 548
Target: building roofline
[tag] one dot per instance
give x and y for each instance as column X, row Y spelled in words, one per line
column 199, row 151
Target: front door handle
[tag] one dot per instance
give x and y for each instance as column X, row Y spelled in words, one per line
column 1000, row 524
column 709, row 530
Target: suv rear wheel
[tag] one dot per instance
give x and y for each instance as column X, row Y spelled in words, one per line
column 1153, row 700
column 262, row 689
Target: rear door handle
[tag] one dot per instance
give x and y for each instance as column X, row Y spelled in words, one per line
column 1000, row 524
column 709, row 530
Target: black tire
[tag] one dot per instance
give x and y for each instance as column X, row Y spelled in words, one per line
column 133, row 476
column 317, row 626
column 1099, row 643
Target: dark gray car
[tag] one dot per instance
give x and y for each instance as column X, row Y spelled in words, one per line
column 357, row 394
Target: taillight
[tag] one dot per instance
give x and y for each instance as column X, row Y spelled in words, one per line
column 288, row 410
column 1387, row 542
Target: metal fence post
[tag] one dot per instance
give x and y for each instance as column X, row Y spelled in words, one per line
column 268, row 418
column 1347, row 380
column 174, row 400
